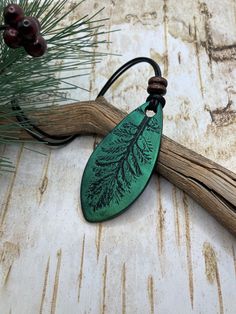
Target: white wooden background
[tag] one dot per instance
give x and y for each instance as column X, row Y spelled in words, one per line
column 165, row 254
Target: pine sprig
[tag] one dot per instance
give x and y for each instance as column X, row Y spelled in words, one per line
column 33, row 81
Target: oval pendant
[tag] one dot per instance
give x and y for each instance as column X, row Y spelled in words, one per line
column 121, row 165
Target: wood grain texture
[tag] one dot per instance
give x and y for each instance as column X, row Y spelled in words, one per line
column 166, row 254
column 211, row 185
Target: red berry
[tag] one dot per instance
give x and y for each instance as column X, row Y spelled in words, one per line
column 13, row 13
column 28, row 28
column 12, row 38
column 37, row 21
column 36, row 49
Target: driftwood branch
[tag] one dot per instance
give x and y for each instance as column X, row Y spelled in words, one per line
column 211, row 185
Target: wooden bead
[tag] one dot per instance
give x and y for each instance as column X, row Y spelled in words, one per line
column 158, row 80
column 155, row 88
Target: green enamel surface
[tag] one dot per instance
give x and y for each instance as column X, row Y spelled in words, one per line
column 121, row 165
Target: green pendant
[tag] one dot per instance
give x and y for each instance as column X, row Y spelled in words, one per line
column 121, row 165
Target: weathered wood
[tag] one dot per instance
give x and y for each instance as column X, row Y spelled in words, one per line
column 211, row 185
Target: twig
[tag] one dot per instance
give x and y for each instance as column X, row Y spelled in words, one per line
column 211, row 185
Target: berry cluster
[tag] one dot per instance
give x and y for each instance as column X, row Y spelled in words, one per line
column 23, row 31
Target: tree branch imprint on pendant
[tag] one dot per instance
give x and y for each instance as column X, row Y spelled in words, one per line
column 121, row 163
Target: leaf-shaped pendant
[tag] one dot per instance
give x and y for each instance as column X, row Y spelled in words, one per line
column 121, row 165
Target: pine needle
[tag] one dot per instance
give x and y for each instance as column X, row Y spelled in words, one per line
column 33, row 81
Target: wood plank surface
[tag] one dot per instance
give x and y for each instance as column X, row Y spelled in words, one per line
column 166, row 254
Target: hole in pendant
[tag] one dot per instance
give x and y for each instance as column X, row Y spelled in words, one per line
column 151, row 109
column 150, row 113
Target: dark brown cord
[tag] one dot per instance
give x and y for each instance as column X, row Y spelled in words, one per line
column 156, row 89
